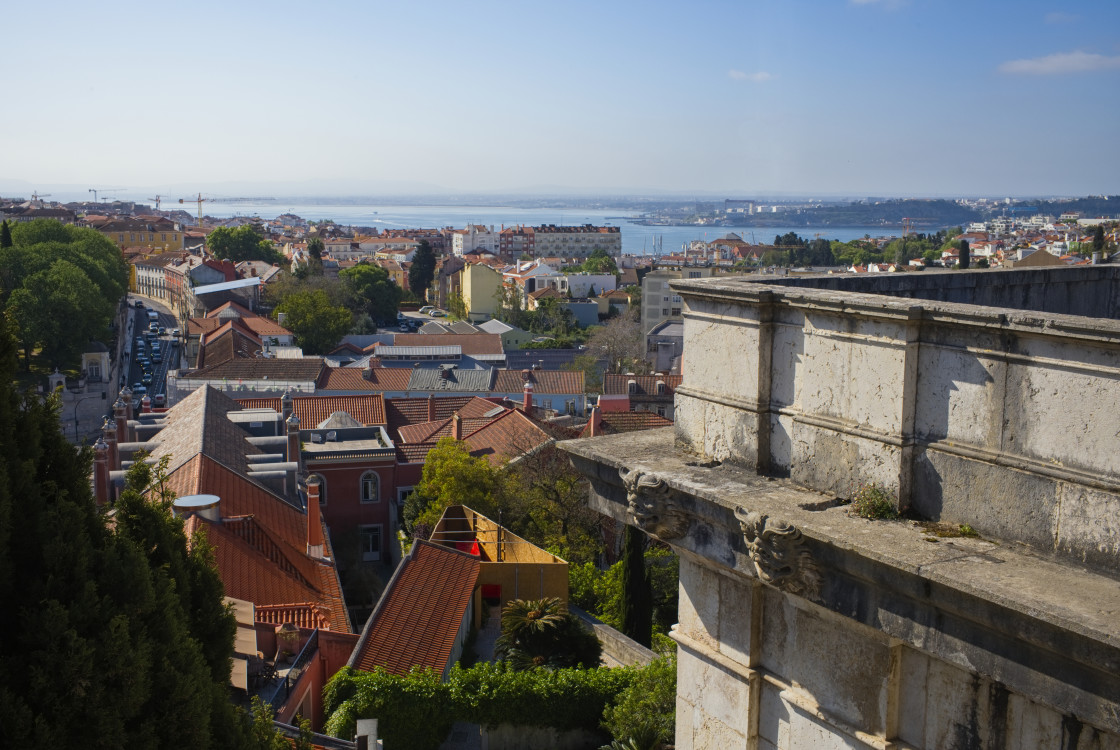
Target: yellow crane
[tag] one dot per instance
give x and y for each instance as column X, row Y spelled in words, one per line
column 157, row 199
column 199, row 200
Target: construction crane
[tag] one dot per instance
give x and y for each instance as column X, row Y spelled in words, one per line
column 35, row 196
column 95, row 191
column 908, row 223
column 157, row 199
column 199, row 200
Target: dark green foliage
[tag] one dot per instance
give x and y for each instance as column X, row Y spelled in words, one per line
column 243, row 243
column 1098, row 239
column 5, row 235
column 60, row 285
column 600, row 592
column 371, row 291
column 315, row 248
column 417, row 711
column 98, row 647
column 645, row 712
column 637, row 595
column 423, row 270
column 317, row 324
column 962, row 247
column 541, row 633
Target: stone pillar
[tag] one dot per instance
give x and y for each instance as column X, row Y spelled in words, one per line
column 109, row 435
column 120, row 416
column 101, row 472
column 456, row 427
column 286, row 406
column 146, row 404
column 294, row 453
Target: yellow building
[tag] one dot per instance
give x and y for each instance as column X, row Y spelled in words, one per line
column 510, row 567
column 158, row 235
column 480, row 291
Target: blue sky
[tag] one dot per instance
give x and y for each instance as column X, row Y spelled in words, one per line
column 746, row 98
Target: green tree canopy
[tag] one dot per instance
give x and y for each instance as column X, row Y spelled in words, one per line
column 600, row 261
column 423, row 270
column 542, row 633
column 100, row 646
column 452, row 476
column 243, row 243
column 372, row 291
column 317, row 324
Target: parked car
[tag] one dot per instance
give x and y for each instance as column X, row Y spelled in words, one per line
column 139, row 389
column 427, row 309
column 139, row 304
column 437, row 313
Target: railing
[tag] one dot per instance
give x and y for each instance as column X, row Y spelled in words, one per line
column 283, row 690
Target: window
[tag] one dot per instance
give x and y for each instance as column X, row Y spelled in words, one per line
column 693, row 274
column 370, row 541
column 402, row 493
column 371, row 487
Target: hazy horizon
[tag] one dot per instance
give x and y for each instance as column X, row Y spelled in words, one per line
column 745, row 98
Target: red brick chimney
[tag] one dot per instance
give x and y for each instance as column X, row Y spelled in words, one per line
column 314, row 524
column 126, row 394
column 527, row 398
column 431, row 408
column 457, row 427
column 146, row 404
column 595, row 423
column 292, row 425
column 109, row 435
column 101, row 472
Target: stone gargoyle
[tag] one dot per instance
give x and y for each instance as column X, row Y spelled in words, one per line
column 651, row 505
column 779, row 554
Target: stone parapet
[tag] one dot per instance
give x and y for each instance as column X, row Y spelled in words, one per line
column 801, row 625
column 1003, row 419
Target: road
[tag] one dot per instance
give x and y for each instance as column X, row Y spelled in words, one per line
column 141, row 344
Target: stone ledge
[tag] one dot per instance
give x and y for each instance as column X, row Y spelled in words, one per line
column 1046, row 628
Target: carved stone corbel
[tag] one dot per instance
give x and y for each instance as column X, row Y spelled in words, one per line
column 651, row 506
column 779, row 554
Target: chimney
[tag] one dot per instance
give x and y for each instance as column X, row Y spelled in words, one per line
column 314, row 524
column 109, row 435
column 595, row 423
column 101, row 472
column 457, row 427
column 146, row 404
column 292, row 425
column 431, row 408
column 286, row 406
column 527, row 398
column 120, row 416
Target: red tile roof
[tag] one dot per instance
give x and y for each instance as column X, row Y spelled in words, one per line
column 508, row 436
column 376, row 379
column 615, row 422
column 417, row 620
column 544, row 381
column 311, row 410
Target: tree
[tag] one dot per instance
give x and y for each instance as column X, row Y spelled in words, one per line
column 101, row 647
column 962, row 247
column 456, row 306
column 243, row 243
column 5, row 235
column 542, row 633
column 645, row 713
column 637, row 595
column 317, row 324
column 1098, row 239
column 600, row 261
column 621, row 343
column 423, row 270
column 452, row 476
column 315, row 248
column 372, row 291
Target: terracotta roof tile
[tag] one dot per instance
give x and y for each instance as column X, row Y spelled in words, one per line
column 544, row 381
column 311, row 410
column 628, row 421
column 508, row 436
column 471, row 343
column 375, row 379
column 417, row 620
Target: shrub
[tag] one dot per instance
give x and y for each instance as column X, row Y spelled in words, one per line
column 644, row 717
column 874, row 501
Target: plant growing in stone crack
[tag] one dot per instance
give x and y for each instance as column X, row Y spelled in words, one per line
column 873, row 501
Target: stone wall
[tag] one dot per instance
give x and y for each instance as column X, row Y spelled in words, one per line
column 1004, row 420
column 803, row 626
column 1092, row 291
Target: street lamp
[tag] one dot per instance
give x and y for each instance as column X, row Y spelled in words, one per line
column 76, row 405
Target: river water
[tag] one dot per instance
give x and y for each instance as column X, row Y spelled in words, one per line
column 636, row 238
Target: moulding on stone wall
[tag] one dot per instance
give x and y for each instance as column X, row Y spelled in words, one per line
column 779, row 554
column 651, row 506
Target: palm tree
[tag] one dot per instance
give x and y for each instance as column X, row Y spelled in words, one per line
column 541, row 633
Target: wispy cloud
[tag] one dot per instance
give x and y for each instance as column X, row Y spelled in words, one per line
column 1059, row 17
column 1061, row 63
column 758, row 77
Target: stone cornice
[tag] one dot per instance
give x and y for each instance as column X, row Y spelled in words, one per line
column 1045, row 627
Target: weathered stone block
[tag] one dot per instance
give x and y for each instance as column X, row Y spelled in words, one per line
column 724, row 695
column 698, row 610
column 836, row 462
column 1089, row 523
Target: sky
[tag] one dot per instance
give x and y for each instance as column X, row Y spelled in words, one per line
column 746, row 99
